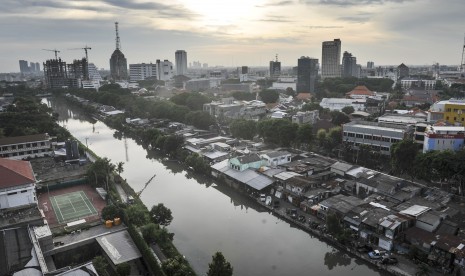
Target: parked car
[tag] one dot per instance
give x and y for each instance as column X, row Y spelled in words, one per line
column 375, row 254
column 262, row 197
column 389, row 260
column 302, row 218
column 293, row 213
column 268, row 200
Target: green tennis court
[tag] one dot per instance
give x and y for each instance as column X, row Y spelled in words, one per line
column 72, row 206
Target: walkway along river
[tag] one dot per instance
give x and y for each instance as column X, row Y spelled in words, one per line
column 210, row 217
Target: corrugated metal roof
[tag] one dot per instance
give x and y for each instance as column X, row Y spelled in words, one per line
column 248, row 177
column 119, row 247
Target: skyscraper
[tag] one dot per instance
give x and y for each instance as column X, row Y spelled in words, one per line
column 56, row 75
column 23, row 67
column 331, row 59
column 118, row 63
column 275, row 68
column 307, row 71
column 349, row 65
column 181, row 62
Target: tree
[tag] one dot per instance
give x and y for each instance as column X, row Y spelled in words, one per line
column 161, row 214
column 119, row 168
column 149, row 232
column 403, row 155
column 339, row 118
column 311, row 107
column 110, row 212
column 100, row 171
column 245, row 129
column 123, row 269
column 269, row 96
column 321, row 136
column 422, row 270
column 138, row 214
column 100, row 264
column 199, row 119
column 176, row 267
column 219, row 266
column 195, row 101
column 305, row 134
column 348, row 110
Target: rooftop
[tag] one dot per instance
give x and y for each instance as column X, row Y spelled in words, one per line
column 119, row 247
column 24, row 139
column 15, row 173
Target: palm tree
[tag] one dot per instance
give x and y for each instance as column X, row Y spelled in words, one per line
column 119, row 168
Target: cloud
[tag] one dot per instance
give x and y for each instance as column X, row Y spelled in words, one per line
column 276, row 4
column 276, row 19
column 358, row 18
column 14, row 6
column 165, row 11
column 325, row 27
column 352, row 2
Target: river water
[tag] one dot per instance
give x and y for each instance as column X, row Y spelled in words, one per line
column 209, row 217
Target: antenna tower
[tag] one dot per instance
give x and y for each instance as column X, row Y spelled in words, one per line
column 118, row 44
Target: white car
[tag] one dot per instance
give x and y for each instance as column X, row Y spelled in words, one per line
column 262, row 197
column 268, row 200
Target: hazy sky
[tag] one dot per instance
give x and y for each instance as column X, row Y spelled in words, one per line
column 233, row 32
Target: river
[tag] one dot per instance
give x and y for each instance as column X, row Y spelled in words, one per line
column 210, row 218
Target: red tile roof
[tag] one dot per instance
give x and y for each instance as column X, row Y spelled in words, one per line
column 15, row 173
column 361, row 90
column 304, row 96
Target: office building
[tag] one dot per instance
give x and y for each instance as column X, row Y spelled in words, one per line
column 451, row 111
column 141, row 71
column 307, row 72
column 118, row 63
column 444, row 138
column 349, row 65
column 275, row 68
column 370, row 65
column 181, row 62
column 379, row 136
column 402, row 71
column 23, row 67
column 164, row 70
column 29, row 146
column 331, row 59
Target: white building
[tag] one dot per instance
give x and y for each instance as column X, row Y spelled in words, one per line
column 94, row 75
column 164, row 70
column 444, row 138
column 276, row 158
column 141, row 71
column 29, row 146
column 310, row 117
column 285, row 82
column 338, row 104
column 181, row 62
column 17, row 184
column 428, row 84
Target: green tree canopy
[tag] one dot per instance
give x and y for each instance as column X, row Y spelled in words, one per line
column 138, row 214
column 199, row 119
column 403, row 155
column 339, row 118
column 245, row 129
column 243, row 96
column 160, row 214
column 305, row 134
column 123, row 269
column 269, row 96
column 219, row 266
column 348, row 110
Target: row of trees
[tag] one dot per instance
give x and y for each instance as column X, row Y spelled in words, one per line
column 140, row 107
column 27, row 116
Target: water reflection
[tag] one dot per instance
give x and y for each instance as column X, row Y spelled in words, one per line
column 210, row 217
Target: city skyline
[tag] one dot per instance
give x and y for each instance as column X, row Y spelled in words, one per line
column 228, row 33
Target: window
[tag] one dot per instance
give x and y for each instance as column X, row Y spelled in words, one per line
column 376, row 138
column 351, row 134
column 12, row 193
column 345, row 133
column 368, row 137
column 24, row 191
column 447, row 117
column 386, row 139
column 358, row 135
column 448, row 110
column 20, row 146
column 455, row 118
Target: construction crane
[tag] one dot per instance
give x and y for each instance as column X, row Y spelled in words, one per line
column 85, row 50
column 54, row 50
column 145, row 186
column 462, row 62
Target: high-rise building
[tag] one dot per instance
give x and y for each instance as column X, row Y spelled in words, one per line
column 181, row 62
column 275, row 68
column 118, row 63
column 331, row 59
column 402, row 71
column 307, row 72
column 141, row 71
column 370, row 65
column 55, row 73
column 23, row 67
column 164, row 70
column 78, row 71
column 349, row 65
column 94, row 75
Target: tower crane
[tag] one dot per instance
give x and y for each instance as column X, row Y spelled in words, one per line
column 54, row 50
column 85, row 50
column 145, row 186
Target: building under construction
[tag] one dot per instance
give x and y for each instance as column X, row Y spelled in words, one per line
column 118, row 63
column 56, row 75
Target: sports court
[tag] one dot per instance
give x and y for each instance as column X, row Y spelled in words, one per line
column 72, row 206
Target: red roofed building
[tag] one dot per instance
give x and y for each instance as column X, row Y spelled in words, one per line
column 360, row 92
column 17, row 184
